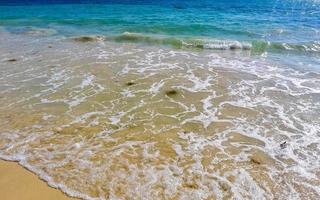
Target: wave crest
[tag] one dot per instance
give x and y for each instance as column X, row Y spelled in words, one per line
column 258, row 46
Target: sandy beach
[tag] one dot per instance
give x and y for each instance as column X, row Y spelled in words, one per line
column 17, row 183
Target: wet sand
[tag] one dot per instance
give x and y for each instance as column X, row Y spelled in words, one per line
column 18, row 183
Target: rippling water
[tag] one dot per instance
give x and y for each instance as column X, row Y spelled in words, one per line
column 164, row 100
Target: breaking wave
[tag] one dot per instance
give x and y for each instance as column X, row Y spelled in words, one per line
column 258, row 46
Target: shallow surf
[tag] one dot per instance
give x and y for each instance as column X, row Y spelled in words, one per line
column 107, row 120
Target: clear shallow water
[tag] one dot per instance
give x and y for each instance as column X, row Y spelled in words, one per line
column 136, row 113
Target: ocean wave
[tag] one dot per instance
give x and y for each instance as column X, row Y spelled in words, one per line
column 171, row 41
column 257, row 46
column 310, row 47
column 181, row 42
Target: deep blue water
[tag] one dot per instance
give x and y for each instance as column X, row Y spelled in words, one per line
column 268, row 25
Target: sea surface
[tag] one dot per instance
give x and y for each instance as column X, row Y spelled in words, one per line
column 141, row 99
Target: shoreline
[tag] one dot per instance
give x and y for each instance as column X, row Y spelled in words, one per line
column 16, row 181
column 101, row 120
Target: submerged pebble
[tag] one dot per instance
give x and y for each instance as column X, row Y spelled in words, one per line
column 283, row 145
column 224, row 186
column 12, row 60
column 255, row 160
column 171, row 92
column 130, row 83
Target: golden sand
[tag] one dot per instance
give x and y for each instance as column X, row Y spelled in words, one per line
column 17, row 183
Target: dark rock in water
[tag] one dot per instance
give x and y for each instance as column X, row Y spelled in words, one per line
column 224, row 186
column 87, row 38
column 171, row 92
column 283, row 145
column 84, row 39
column 130, row 83
column 49, row 46
column 255, row 160
column 12, row 60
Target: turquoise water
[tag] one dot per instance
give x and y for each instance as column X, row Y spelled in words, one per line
column 274, row 26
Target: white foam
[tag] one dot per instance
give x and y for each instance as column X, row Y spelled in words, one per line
column 155, row 87
column 88, row 80
column 226, row 45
